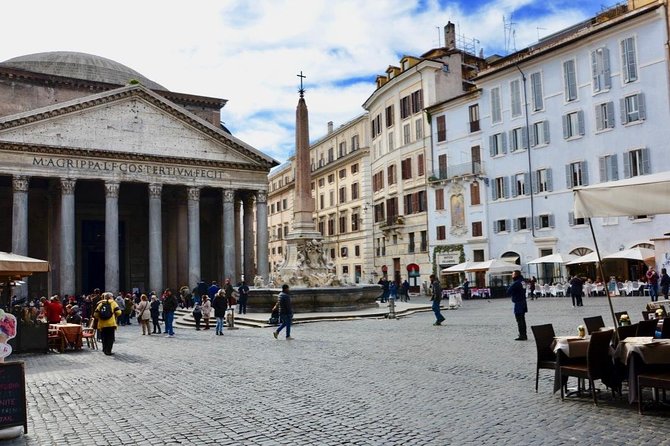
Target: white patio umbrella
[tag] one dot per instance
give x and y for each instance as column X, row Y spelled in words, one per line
column 16, row 265
column 494, row 266
column 632, row 254
column 591, row 257
column 460, row 268
column 553, row 258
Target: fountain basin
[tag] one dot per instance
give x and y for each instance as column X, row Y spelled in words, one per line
column 317, row 299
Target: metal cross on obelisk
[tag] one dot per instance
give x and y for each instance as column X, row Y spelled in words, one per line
column 302, row 90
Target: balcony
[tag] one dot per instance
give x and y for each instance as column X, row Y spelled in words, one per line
column 457, row 170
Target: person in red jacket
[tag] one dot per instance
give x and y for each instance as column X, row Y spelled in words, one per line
column 53, row 310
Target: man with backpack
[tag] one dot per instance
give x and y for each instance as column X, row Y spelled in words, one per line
column 105, row 315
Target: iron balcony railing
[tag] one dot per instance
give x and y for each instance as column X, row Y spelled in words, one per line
column 457, row 170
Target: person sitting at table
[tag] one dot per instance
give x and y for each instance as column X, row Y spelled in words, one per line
column 73, row 316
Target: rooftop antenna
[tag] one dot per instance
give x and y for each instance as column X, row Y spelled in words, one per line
column 510, row 34
column 439, row 37
column 538, row 32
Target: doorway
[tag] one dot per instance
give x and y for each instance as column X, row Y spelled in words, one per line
column 93, row 255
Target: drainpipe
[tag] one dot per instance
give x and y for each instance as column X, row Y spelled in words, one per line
column 530, row 170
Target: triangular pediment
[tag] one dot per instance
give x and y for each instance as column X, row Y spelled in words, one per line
column 130, row 120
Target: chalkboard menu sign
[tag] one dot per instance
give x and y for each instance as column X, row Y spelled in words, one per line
column 13, row 395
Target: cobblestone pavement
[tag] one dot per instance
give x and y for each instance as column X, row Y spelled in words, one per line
column 360, row 382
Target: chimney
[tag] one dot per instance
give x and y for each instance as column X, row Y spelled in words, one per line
column 330, row 127
column 450, row 36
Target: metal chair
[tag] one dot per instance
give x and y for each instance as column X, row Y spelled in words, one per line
column 646, row 328
column 546, row 358
column 56, row 340
column 594, row 323
column 88, row 333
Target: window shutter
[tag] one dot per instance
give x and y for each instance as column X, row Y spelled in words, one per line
column 607, row 81
column 568, row 176
column 536, row 222
column 528, row 222
column 641, row 106
column 580, row 122
column 624, row 115
column 503, row 135
column 572, row 81
column 614, row 168
column 534, row 182
column 610, row 114
column 599, row 118
column 545, row 125
column 550, row 185
column 495, row 227
column 626, row 165
column 508, row 225
column 515, row 224
column 505, row 187
column 595, row 79
column 552, row 220
column 494, row 190
column 603, row 168
column 565, row 127
column 524, row 138
column 533, row 136
column 571, row 218
column 526, row 183
column 585, row 173
column 492, row 146
column 515, row 188
column 512, row 142
column 646, row 165
column 536, row 80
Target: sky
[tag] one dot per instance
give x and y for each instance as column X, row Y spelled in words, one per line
column 250, row 52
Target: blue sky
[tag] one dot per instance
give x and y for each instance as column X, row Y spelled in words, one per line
column 250, row 52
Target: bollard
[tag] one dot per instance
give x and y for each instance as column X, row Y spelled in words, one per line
column 391, row 314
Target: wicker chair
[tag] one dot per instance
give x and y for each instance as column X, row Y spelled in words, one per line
column 598, row 362
column 626, row 331
column 594, row 323
column 546, row 358
column 647, row 328
column 655, row 380
column 56, row 340
column 88, row 333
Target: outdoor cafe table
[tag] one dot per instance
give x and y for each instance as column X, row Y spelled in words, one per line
column 639, row 352
column 568, row 349
column 71, row 332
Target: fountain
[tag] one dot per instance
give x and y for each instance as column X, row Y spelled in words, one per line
column 306, row 268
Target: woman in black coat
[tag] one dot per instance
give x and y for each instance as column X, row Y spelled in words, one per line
column 220, row 305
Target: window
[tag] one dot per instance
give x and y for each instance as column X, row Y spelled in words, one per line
column 496, row 106
column 354, row 191
column 284, row 203
column 342, row 149
column 633, row 109
column 404, row 107
column 420, row 166
column 343, row 224
column 441, row 232
column 418, row 128
column 354, row 143
column 628, row 62
column 406, row 168
column 331, row 198
column 379, row 212
column 378, row 181
column 342, row 173
column 272, row 208
column 473, row 112
column 604, row 116
column 575, row 221
column 515, row 97
column 312, row 185
column 391, row 174
column 421, row 200
column 409, row 204
column 344, row 252
column 522, row 224
column 331, row 155
column 357, row 250
column 542, row 181
column 424, row 241
column 441, row 128
column 391, row 142
column 389, row 116
column 417, row 101
column 322, row 182
column 576, row 174
column 332, row 253
column 331, row 225
column 500, row 188
column 476, row 228
column 376, row 125
column 539, row 135
column 573, row 124
column 285, row 230
column 636, row 163
column 569, row 80
column 411, row 244
column 322, row 201
column 501, row 226
column 517, row 139
column 343, row 195
column 331, row 178
column 498, row 144
column 544, row 221
column 354, row 168
column 322, row 227
column 600, row 70
column 519, row 185
column 474, row 193
column 439, row 199
column 406, row 134
column 392, row 208
column 354, row 222
column 608, row 166
column 442, row 165
column 536, row 91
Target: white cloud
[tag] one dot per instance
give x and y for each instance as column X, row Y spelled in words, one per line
column 251, row 52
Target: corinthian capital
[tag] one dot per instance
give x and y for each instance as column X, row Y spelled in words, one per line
column 155, row 190
column 193, row 193
column 20, row 183
column 67, row 186
column 228, row 195
column 261, row 196
column 111, row 189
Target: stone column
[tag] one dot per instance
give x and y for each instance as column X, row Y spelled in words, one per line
column 67, row 237
column 111, row 237
column 238, row 239
column 248, row 239
column 193, row 236
column 20, row 223
column 262, row 255
column 155, row 238
column 229, row 242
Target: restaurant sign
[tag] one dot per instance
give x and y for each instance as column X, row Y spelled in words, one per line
column 448, row 258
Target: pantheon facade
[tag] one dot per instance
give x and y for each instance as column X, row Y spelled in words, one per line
column 122, row 184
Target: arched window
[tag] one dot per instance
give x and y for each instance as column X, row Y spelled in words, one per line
column 581, row 251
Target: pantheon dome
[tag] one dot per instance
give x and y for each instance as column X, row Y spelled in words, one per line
column 79, row 66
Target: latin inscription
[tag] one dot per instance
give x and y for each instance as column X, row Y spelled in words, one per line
column 125, row 167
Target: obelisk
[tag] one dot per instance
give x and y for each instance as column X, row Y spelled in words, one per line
column 303, row 203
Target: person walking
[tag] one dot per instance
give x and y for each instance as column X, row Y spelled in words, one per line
column 285, row 312
column 531, row 283
column 144, row 314
column 518, row 294
column 206, row 310
column 436, row 298
column 220, row 305
column 105, row 314
column 652, row 283
column 243, row 291
column 665, row 283
column 169, row 307
column 154, row 309
column 121, row 302
column 405, row 291
column 385, row 288
column 197, row 315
